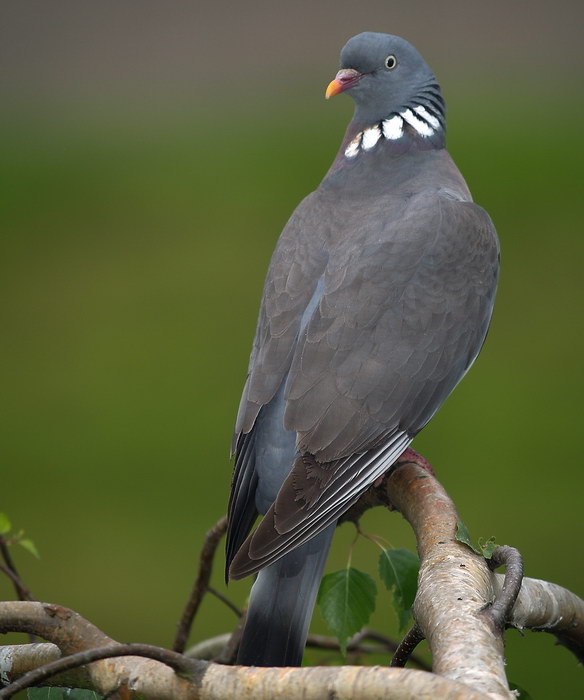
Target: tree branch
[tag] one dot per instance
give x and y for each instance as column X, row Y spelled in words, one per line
column 455, row 585
column 22, row 592
column 224, row 599
column 546, row 607
column 201, row 585
column 455, row 588
column 156, row 681
column 180, row 664
column 406, row 647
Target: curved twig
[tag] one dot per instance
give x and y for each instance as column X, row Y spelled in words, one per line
column 201, row 585
column 22, row 592
column 225, row 599
column 509, row 557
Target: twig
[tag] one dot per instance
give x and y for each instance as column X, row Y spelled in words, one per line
column 209, row 649
column 225, row 600
column 406, row 647
column 384, row 645
column 201, row 585
column 180, row 664
column 22, row 592
column 229, row 654
column 499, row 611
column 320, row 641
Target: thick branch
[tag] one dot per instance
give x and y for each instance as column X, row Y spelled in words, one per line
column 155, row 681
column 177, row 662
column 456, row 589
column 454, row 585
column 17, row 659
column 546, row 607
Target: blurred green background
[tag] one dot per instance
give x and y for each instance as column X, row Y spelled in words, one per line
column 150, row 155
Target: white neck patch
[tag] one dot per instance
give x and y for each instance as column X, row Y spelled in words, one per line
column 420, row 119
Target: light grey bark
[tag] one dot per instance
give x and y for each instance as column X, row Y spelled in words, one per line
column 455, row 587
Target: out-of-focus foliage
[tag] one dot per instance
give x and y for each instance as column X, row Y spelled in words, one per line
column 132, row 260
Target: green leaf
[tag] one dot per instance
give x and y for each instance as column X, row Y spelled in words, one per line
column 485, row 549
column 5, row 525
column 398, row 569
column 346, row 599
column 45, row 693
column 63, row 694
column 30, row 546
column 488, row 547
column 463, row 535
column 523, row 694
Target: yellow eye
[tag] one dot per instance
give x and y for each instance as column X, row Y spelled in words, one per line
column 391, row 62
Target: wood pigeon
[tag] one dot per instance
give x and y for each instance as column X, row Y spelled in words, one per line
column 376, row 303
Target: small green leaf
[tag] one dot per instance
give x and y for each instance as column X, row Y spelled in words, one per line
column 463, row 535
column 485, row 549
column 79, row 694
column 45, row 693
column 523, row 694
column 5, row 525
column 30, row 546
column 346, row 599
column 488, row 547
column 398, row 569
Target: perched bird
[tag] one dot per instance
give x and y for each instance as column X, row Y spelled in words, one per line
column 377, row 301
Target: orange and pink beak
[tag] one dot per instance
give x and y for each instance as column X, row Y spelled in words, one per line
column 346, row 78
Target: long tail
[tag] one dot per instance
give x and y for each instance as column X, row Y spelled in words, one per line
column 281, row 604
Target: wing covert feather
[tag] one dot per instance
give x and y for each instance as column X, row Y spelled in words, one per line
column 395, row 330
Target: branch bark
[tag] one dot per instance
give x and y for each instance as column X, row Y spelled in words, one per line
column 456, row 587
column 156, row 681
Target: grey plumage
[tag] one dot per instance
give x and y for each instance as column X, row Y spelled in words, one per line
column 377, row 301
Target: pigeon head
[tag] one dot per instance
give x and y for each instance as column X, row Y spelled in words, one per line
column 385, row 74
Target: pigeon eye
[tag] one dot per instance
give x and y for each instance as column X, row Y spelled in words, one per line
column 390, row 62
